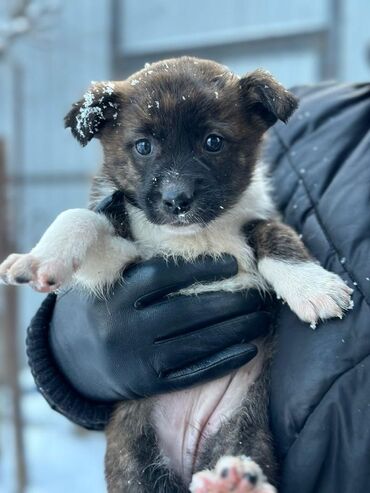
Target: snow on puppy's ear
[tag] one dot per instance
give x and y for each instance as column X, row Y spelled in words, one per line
column 100, row 105
column 265, row 96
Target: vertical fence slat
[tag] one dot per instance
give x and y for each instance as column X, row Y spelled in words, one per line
column 10, row 335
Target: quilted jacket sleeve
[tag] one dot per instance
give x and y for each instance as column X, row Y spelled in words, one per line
column 320, row 403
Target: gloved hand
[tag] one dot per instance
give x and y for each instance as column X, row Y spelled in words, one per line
column 139, row 342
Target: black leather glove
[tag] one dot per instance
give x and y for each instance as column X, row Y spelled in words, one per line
column 140, row 342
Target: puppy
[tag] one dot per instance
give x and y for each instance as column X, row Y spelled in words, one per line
column 181, row 140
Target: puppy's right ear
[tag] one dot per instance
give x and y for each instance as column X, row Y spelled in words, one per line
column 99, row 106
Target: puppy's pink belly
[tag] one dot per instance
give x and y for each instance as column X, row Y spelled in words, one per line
column 184, row 419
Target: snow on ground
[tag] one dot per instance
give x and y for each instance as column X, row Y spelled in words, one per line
column 60, row 456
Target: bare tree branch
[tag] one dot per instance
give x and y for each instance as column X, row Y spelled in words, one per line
column 27, row 17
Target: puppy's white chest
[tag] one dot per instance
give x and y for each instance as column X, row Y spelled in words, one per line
column 153, row 240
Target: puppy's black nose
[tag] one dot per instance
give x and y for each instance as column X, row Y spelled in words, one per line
column 176, row 202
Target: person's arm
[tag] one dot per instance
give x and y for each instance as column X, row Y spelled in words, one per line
column 87, row 353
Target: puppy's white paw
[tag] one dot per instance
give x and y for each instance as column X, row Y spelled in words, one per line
column 43, row 275
column 62, row 250
column 232, row 474
column 311, row 292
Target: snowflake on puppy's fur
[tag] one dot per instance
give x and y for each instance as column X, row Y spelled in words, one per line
column 90, row 115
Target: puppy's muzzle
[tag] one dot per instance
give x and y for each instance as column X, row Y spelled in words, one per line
column 177, row 198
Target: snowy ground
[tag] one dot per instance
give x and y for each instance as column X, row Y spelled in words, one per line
column 60, row 456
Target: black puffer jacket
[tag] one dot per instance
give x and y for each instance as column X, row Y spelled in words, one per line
column 320, row 403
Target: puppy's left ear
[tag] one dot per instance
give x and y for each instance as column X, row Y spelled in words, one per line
column 99, row 107
column 265, row 96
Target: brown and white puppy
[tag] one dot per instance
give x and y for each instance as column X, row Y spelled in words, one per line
column 181, row 140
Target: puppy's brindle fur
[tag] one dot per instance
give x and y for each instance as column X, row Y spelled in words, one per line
column 175, row 105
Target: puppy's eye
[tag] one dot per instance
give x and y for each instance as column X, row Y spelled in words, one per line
column 213, row 143
column 143, row 147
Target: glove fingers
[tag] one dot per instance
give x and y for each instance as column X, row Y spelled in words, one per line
column 157, row 277
column 182, row 350
column 182, row 314
column 212, row 367
column 248, row 301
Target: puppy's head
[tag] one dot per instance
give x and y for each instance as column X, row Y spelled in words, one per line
column 181, row 136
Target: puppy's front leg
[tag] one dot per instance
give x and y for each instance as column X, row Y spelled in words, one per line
column 312, row 292
column 75, row 239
